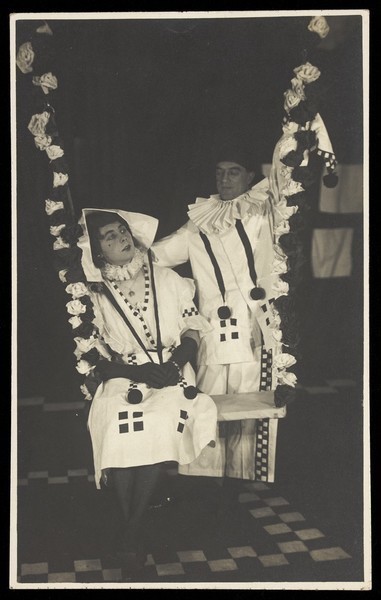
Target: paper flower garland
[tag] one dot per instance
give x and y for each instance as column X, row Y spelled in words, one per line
column 304, row 133
column 62, row 227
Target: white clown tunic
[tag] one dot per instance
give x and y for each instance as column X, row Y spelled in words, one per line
column 165, row 426
column 236, row 354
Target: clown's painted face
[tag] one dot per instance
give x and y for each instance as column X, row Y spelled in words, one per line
column 232, row 179
column 116, row 243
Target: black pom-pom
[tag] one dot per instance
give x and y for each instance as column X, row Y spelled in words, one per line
column 224, row 312
column 284, row 394
column 330, row 180
column 190, row 392
column 134, row 396
column 257, row 293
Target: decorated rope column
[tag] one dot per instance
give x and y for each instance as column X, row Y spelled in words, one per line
column 32, row 56
column 291, row 177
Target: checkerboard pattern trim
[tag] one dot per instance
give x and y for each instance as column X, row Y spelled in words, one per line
column 190, row 312
column 135, row 309
column 329, row 159
column 131, row 359
column 262, row 449
column 266, row 370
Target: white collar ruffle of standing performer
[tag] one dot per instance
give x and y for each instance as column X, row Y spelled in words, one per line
column 213, row 215
column 143, row 228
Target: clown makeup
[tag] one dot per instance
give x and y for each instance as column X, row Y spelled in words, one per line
column 116, row 243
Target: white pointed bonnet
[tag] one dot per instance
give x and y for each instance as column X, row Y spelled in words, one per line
column 143, row 228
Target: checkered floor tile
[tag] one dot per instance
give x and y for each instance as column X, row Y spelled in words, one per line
column 284, row 535
column 266, row 536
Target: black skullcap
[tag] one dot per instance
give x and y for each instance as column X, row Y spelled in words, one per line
column 237, row 153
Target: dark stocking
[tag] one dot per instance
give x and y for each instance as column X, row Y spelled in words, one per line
column 134, row 487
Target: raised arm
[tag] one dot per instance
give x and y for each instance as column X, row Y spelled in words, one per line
column 173, row 249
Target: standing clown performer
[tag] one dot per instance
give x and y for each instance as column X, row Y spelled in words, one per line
column 245, row 254
column 228, row 240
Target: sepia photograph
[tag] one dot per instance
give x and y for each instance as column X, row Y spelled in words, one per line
column 189, row 300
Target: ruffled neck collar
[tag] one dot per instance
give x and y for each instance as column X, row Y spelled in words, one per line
column 124, row 272
column 213, row 215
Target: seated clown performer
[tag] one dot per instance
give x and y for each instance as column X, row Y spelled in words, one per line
column 146, row 410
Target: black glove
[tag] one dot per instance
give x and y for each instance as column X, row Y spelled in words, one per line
column 149, row 373
column 172, row 373
column 185, row 351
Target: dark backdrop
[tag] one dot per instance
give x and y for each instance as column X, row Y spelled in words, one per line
column 141, row 105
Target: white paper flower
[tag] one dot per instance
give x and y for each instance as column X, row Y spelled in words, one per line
column 277, row 335
column 279, row 254
column 60, row 179
column 307, row 73
column 286, row 172
column 75, row 322
column 286, row 144
column 25, row 58
column 84, row 367
column 75, row 307
column 54, row 152
column 286, row 211
column 62, row 275
column 86, row 392
column 282, row 228
column 77, row 290
column 292, row 187
column 276, row 322
column 51, row 206
column 280, row 288
column 84, row 344
column 286, row 378
column 290, row 127
column 298, row 87
column 59, row 244
column 47, row 81
column 280, row 266
column 56, row 229
column 42, row 141
column 38, row 122
column 291, row 99
column 283, row 361
column 319, row 25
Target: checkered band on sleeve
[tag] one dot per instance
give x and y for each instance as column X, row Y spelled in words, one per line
column 190, row 312
column 329, row 159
